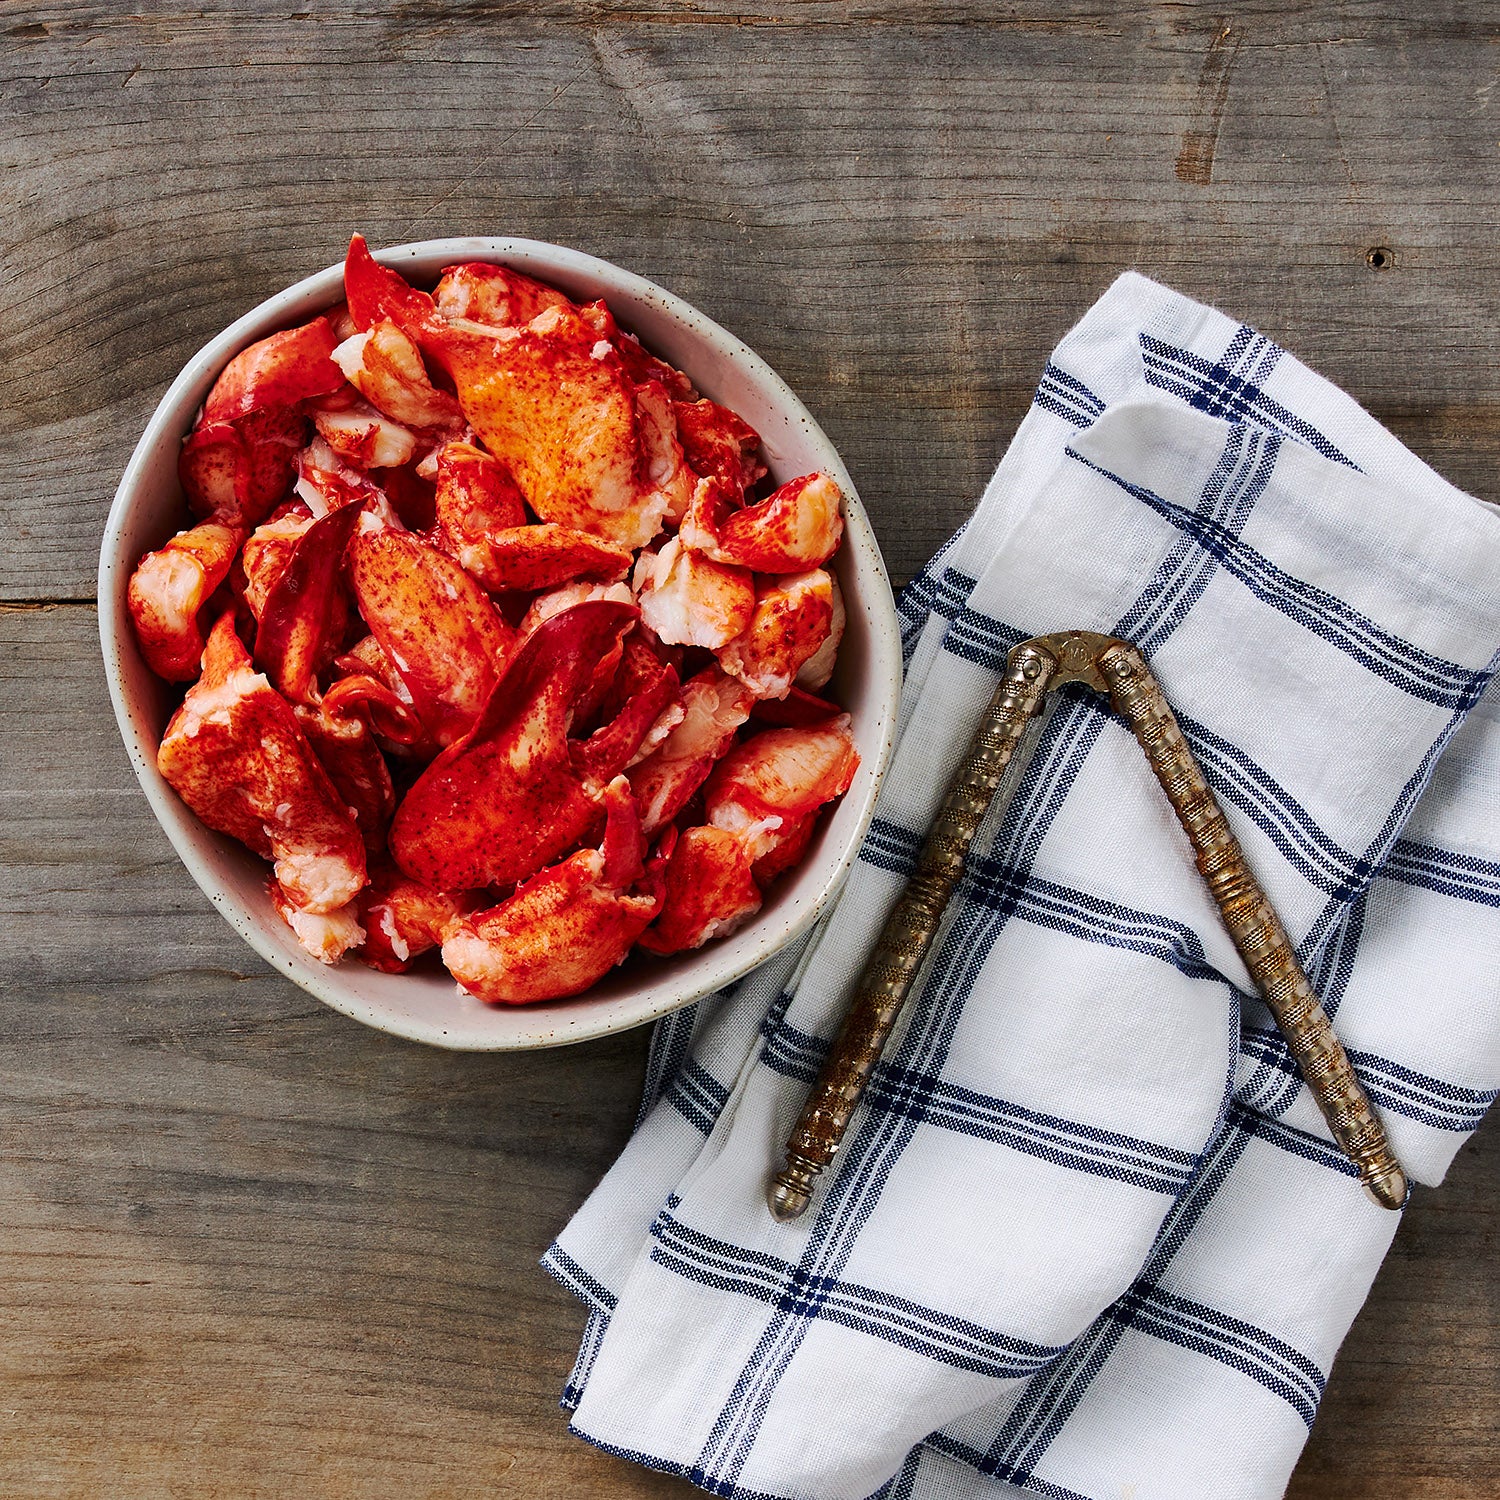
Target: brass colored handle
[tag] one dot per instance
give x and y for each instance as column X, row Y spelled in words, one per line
column 1255, row 928
column 1116, row 667
column 909, row 930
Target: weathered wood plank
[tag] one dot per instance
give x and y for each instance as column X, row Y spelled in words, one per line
column 248, row 1246
column 902, row 217
column 245, row 1238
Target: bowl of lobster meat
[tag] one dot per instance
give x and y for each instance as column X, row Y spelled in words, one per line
column 499, row 642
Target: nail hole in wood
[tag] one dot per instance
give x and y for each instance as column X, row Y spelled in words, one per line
column 1381, row 258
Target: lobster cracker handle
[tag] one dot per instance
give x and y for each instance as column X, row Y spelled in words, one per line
column 1032, row 670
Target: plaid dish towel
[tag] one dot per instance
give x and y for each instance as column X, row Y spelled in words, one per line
column 1087, row 1237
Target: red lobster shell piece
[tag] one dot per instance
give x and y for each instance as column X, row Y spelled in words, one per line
column 566, row 927
column 495, row 807
column 796, row 528
column 435, row 624
column 235, row 754
column 169, row 590
column 278, row 371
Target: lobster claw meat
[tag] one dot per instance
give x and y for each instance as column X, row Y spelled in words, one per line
column 281, row 370
column 796, row 528
column 236, row 755
column 792, row 620
column 542, row 556
column 436, row 625
column 564, row 928
column 496, row 806
column 327, row 936
column 551, row 399
column 305, row 611
column 169, row 590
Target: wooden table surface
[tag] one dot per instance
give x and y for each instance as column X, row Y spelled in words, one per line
column 251, row 1248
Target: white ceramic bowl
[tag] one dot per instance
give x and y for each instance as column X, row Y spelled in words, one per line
column 427, row 1007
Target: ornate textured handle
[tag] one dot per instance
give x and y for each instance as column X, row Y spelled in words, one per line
column 1115, row 667
column 1255, row 928
column 909, row 931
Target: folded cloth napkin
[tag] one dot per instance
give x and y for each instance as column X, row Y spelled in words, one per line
column 1087, row 1236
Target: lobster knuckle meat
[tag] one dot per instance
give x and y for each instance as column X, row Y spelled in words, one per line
column 475, row 493
column 280, row 370
column 711, row 890
column 713, row 706
column 404, row 919
column 493, row 296
column 327, row 936
column 564, row 928
column 496, row 806
column 169, row 590
column 267, row 551
column 782, row 774
column 718, row 445
column 436, row 625
column 235, row 754
column 816, row 671
column 214, row 471
column 364, row 437
column 663, row 468
column 305, row 612
column 796, row 528
column 688, row 599
column 345, row 744
column 793, row 619
column 385, row 366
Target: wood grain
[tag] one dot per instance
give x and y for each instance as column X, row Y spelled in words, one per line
column 250, row 1248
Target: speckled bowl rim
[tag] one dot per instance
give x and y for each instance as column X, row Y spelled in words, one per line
column 584, row 1017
